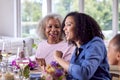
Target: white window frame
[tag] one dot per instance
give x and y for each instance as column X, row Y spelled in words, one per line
column 17, row 23
column 115, row 24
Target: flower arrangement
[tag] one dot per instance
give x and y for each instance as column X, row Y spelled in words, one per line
column 53, row 71
column 31, row 64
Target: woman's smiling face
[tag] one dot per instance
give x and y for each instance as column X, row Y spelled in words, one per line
column 53, row 31
column 69, row 28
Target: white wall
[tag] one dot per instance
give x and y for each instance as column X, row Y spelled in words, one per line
column 7, row 18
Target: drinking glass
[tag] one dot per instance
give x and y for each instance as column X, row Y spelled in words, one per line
column 4, row 63
column 3, row 52
column 22, row 60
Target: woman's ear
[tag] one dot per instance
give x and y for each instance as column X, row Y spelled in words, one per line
column 118, row 56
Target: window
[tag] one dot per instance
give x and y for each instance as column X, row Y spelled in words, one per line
column 119, row 15
column 31, row 12
column 101, row 10
column 64, row 6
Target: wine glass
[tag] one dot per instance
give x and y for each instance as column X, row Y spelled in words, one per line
column 3, row 52
column 22, row 60
column 4, row 55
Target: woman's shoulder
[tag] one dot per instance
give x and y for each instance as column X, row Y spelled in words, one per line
column 96, row 41
column 66, row 44
column 63, row 42
column 42, row 42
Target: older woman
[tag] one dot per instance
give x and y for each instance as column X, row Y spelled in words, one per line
column 50, row 31
column 89, row 60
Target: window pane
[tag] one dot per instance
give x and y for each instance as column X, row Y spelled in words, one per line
column 64, row 6
column 31, row 12
column 119, row 14
column 101, row 10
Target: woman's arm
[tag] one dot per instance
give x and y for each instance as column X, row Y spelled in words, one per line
column 62, row 62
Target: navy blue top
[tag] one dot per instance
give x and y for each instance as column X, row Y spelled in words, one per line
column 91, row 63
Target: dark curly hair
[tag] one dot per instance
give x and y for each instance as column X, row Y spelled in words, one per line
column 86, row 27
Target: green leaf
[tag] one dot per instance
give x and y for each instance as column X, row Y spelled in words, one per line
column 26, row 71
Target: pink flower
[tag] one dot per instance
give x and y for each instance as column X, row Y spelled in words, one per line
column 31, row 64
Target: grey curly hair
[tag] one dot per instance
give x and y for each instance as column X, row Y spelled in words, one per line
column 42, row 24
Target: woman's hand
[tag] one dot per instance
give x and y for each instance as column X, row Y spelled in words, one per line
column 58, row 54
column 58, row 57
column 41, row 62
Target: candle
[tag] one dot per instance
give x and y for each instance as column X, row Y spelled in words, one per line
column 3, row 46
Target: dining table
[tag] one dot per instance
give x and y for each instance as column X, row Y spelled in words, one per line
column 33, row 75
